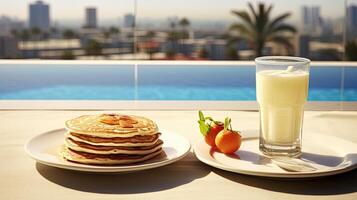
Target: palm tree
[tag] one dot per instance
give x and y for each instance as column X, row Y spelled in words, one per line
column 68, row 34
column 351, row 51
column 93, row 48
column 114, row 30
column 36, row 32
column 149, row 44
column 230, row 53
column 25, row 35
column 150, row 35
column 106, row 34
column 259, row 28
column 173, row 36
column 184, row 23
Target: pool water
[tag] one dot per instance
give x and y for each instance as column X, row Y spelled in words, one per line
column 121, row 82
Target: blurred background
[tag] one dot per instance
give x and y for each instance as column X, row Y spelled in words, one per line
column 324, row 30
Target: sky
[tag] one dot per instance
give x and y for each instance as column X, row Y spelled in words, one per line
column 193, row 9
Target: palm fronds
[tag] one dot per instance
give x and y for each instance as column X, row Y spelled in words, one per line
column 258, row 27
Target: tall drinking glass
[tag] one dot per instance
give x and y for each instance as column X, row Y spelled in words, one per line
column 282, row 89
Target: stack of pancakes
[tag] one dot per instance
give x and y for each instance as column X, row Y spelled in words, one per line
column 109, row 139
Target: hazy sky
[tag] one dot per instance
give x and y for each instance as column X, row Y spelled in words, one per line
column 194, row 9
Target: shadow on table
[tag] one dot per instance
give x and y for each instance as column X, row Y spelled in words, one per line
column 163, row 178
column 330, row 185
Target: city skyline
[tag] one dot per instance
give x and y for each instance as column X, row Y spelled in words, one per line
column 155, row 9
column 318, row 36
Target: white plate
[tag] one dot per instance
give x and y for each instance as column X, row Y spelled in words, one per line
column 44, row 148
column 330, row 155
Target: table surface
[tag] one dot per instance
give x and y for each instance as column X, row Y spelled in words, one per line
column 23, row 178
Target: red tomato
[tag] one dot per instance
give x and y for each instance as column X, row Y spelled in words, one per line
column 215, row 128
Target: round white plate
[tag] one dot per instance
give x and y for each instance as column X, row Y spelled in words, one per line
column 330, row 155
column 44, row 148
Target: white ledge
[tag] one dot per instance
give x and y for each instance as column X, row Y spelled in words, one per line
column 155, row 105
column 158, row 62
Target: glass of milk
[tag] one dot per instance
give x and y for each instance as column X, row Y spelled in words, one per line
column 282, row 89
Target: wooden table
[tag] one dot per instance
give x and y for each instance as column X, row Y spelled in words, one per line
column 23, row 178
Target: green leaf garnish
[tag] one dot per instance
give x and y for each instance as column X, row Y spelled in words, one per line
column 227, row 123
column 201, row 116
column 204, row 127
column 209, row 118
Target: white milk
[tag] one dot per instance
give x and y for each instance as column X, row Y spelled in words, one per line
column 281, row 95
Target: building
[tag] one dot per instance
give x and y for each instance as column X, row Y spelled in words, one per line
column 327, row 27
column 352, row 21
column 91, row 18
column 323, row 51
column 216, row 49
column 352, row 16
column 39, row 15
column 311, row 19
column 129, row 21
column 7, row 24
column 304, row 46
column 53, row 48
column 8, row 47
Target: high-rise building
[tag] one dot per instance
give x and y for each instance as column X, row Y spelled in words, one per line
column 352, row 21
column 352, row 15
column 8, row 47
column 129, row 21
column 91, row 18
column 311, row 19
column 39, row 15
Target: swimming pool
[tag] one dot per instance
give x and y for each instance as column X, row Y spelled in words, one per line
column 158, row 82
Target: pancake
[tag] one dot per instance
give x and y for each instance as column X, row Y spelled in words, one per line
column 137, row 140
column 112, row 159
column 105, row 150
column 112, row 125
column 110, row 139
